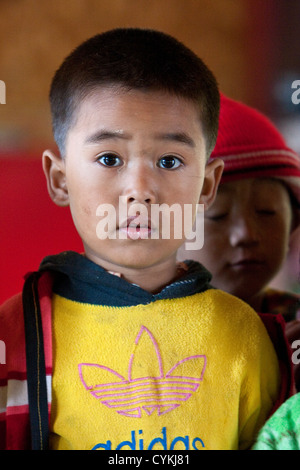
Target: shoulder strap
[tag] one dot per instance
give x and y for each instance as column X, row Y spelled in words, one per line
column 275, row 326
column 35, row 361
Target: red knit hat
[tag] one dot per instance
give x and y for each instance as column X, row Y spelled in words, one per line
column 252, row 147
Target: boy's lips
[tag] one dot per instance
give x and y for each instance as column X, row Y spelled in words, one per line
column 246, row 263
column 136, row 221
column 136, row 227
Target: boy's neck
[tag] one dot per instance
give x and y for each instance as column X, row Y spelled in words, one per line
column 255, row 301
column 152, row 279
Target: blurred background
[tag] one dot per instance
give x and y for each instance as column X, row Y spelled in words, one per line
column 252, row 46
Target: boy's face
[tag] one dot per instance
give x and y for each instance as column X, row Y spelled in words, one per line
column 246, row 235
column 147, row 147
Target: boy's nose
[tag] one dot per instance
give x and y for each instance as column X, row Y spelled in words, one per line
column 141, row 186
column 244, row 232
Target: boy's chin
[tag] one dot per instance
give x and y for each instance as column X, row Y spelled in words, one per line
column 245, row 292
column 129, row 259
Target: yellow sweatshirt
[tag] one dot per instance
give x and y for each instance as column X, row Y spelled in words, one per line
column 180, row 370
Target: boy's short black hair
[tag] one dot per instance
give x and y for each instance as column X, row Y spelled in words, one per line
column 133, row 58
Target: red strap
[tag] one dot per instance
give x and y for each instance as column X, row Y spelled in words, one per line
column 275, row 326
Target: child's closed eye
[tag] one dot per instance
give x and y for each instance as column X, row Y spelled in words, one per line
column 217, row 216
column 266, row 212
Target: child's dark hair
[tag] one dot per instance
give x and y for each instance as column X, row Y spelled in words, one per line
column 133, row 58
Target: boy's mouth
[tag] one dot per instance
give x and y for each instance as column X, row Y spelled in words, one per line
column 247, row 263
column 136, row 227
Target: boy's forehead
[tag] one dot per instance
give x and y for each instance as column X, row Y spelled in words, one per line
column 102, row 95
column 257, row 186
column 114, row 105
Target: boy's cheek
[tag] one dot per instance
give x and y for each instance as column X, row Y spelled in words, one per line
column 84, row 217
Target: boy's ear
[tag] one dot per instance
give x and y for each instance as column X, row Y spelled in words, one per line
column 213, row 173
column 54, row 169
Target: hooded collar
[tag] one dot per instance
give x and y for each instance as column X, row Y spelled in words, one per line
column 79, row 279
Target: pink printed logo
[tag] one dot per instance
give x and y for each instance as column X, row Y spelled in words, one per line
column 134, row 395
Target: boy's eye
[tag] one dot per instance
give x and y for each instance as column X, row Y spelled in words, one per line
column 110, row 159
column 217, row 217
column 265, row 212
column 169, row 162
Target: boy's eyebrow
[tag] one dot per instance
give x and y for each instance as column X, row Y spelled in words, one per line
column 104, row 134
column 180, row 137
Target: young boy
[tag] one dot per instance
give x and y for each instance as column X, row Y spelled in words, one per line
column 127, row 349
column 247, row 229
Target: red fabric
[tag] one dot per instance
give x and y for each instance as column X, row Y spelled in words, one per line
column 32, row 226
column 14, row 409
column 251, row 146
column 275, row 326
column 243, row 129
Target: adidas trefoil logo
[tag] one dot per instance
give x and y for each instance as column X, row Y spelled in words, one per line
column 134, row 395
